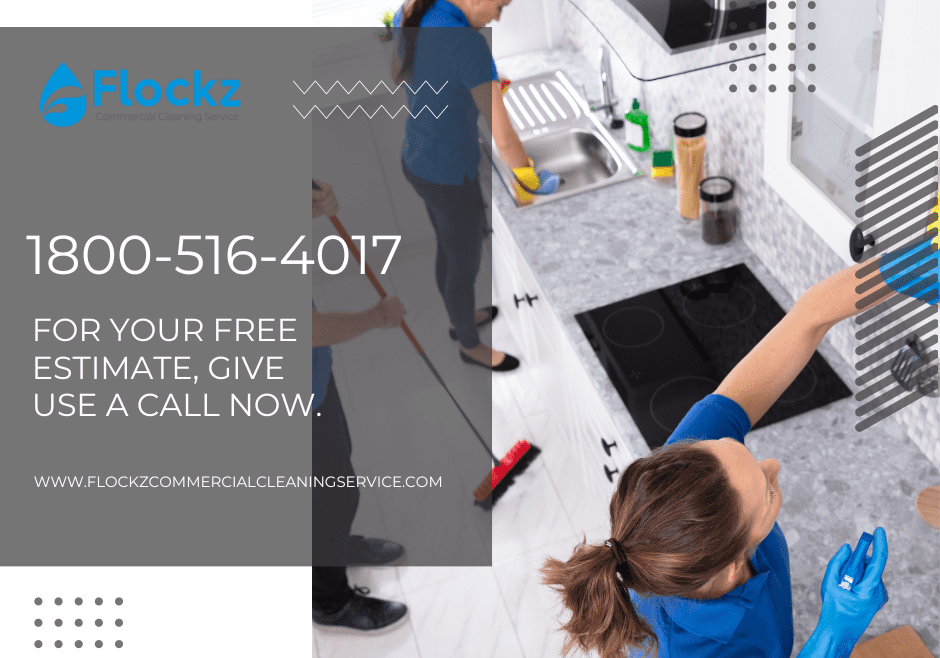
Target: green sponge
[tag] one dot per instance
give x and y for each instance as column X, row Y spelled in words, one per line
column 662, row 164
column 662, row 158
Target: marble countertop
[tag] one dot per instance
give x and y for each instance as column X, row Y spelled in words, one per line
column 599, row 247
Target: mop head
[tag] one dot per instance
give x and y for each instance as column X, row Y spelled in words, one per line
column 501, row 477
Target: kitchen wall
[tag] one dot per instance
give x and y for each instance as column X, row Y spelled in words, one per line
column 526, row 25
column 775, row 233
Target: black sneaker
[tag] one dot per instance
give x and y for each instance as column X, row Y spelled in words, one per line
column 366, row 551
column 363, row 615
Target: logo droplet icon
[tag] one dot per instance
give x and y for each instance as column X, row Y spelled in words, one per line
column 74, row 107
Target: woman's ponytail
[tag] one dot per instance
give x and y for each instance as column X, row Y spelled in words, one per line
column 603, row 618
column 676, row 522
column 407, row 37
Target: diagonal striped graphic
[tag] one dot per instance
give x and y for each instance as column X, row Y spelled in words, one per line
column 897, row 205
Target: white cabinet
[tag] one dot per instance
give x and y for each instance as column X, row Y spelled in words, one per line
column 866, row 66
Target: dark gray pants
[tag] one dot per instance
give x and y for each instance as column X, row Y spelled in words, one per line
column 457, row 213
column 334, row 507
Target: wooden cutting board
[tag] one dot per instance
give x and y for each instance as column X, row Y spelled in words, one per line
column 902, row 642
column 928, row 505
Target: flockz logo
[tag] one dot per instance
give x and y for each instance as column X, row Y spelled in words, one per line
column 74, row 107
column 178, row 92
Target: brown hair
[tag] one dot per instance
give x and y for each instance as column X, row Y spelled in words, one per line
column 407, row 36
column 679, row 522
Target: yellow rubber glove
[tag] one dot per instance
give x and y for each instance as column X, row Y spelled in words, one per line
column 527, row 181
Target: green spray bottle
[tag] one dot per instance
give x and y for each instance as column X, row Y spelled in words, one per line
column 638, row 128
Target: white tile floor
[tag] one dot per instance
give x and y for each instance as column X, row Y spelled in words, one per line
column 501, row 610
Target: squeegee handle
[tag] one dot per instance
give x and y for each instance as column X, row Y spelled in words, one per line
column 375, row 282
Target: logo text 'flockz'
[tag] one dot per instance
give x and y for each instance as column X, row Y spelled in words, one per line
column 178, row 92
column 74, row 107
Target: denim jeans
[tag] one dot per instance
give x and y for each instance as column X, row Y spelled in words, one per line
column 457, row 213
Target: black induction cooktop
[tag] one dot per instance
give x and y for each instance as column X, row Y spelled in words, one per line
column 667, row 349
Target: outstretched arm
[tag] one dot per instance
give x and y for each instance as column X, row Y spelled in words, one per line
column 765, row 373
column 338, row 327
column 488, row 98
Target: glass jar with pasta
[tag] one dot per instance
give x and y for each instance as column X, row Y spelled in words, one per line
column 689, row 139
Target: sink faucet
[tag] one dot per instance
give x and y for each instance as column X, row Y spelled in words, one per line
column 608, row 102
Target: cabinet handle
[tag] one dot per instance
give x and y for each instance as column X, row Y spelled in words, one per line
column 527, row 298
column 857, row 243
column 610, row 473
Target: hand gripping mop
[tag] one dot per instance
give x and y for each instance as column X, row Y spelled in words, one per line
column 504, row 470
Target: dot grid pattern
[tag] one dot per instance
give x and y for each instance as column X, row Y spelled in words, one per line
column 792, row 26
column 118, row 622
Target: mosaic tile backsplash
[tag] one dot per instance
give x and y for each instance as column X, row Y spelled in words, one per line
column 769, row 227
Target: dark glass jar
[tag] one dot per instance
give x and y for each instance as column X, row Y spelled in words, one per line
column 718, row 212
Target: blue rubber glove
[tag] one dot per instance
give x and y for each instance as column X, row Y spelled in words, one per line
column 913, row 272
column 867, row 561
column 548, row 182
column 846, row 614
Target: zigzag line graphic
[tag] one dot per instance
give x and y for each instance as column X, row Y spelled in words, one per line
column 380, row 107
column 381, row 83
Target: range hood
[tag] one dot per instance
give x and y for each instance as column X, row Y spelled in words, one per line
column 683, row 25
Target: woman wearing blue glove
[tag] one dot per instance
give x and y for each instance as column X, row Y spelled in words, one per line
column 438, row 44
column 696, row 565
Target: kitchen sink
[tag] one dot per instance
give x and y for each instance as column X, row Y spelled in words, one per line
column 560, row 134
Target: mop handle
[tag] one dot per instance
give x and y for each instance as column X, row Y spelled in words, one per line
column 375, row 282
